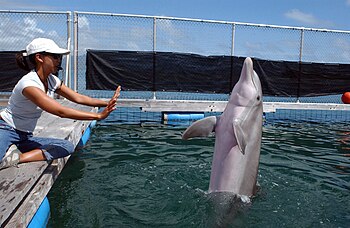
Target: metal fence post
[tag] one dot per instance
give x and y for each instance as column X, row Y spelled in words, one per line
column 301, row 44
column 68, row 65
column 232, row 54
column 154, row 55
column 75, row 55
column 233, row 39
column 300, row 60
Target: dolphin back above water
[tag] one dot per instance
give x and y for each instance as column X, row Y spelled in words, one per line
column 238, row 133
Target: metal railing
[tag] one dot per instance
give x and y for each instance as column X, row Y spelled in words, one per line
column 106, row 31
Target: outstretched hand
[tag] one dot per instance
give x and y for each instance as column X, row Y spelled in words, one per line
column 111, row 105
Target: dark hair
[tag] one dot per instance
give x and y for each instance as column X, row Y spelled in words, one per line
column 22, row 61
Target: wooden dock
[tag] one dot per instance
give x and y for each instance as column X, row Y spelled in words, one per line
column 23, row 189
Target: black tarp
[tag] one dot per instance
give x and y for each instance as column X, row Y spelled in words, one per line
column 283, row 78
column 164, row 71
column 132, row 70
column 10, row 73
column 147, row 71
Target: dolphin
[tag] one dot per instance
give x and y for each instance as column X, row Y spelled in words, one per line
column 238, row 133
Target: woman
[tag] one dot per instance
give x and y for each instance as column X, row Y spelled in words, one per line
column 34, row 93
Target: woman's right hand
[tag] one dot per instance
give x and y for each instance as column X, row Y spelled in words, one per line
column 111, row 105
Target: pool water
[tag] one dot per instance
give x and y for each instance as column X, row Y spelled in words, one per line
column 145, row 176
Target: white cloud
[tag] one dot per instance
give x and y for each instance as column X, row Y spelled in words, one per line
column 22, row 5
column 30, row 26
column 348, row 2
column 307, row 19
column 83, row 22
column 297, row 15
column 18, row 32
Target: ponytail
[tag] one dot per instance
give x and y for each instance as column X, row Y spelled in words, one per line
column 22, row 61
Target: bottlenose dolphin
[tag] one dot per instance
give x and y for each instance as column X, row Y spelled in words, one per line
column 238, row 134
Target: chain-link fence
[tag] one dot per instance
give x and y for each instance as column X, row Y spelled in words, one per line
column 162, row 34
column 101, row 31
column 19, row 28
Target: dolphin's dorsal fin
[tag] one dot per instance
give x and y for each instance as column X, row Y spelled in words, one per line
column 200, row 128
column 240, row 136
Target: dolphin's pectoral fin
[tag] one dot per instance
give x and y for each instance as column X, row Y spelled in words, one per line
column 240, row 136
column 200, row 128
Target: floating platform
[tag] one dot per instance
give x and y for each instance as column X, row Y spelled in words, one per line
column 24, row 189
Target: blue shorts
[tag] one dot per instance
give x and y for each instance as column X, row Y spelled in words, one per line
column 25, row 142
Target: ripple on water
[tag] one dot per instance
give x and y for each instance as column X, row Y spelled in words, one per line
column 146, row 176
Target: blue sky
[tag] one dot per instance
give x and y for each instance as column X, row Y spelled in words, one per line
column 326, row 14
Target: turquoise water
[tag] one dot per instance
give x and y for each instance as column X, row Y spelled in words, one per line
column 145, row 176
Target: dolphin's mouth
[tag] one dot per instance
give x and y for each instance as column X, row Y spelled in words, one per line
column 256, row 83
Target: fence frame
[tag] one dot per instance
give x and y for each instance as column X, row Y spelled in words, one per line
column 301, row 30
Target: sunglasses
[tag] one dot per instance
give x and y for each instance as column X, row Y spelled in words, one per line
column 54, row 56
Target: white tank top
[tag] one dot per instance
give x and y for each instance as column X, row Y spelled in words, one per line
column 21, row 113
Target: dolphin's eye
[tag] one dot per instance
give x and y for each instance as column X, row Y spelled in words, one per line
column 258, row 98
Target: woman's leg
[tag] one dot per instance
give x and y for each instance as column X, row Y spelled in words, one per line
column 8, row 136
column 40, row 149
column 33, row 148
column 33, row 155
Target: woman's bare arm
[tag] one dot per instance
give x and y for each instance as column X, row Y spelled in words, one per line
column 79, row 98
column 50, row 105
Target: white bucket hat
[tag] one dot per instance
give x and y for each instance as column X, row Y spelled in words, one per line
column 45, row 45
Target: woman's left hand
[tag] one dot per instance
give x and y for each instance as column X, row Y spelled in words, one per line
column 111, row 105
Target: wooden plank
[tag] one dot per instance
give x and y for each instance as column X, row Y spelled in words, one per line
column 23, row 189
column 16, row 184
column 27, row 209
column 153, row 105
column 273, row 106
